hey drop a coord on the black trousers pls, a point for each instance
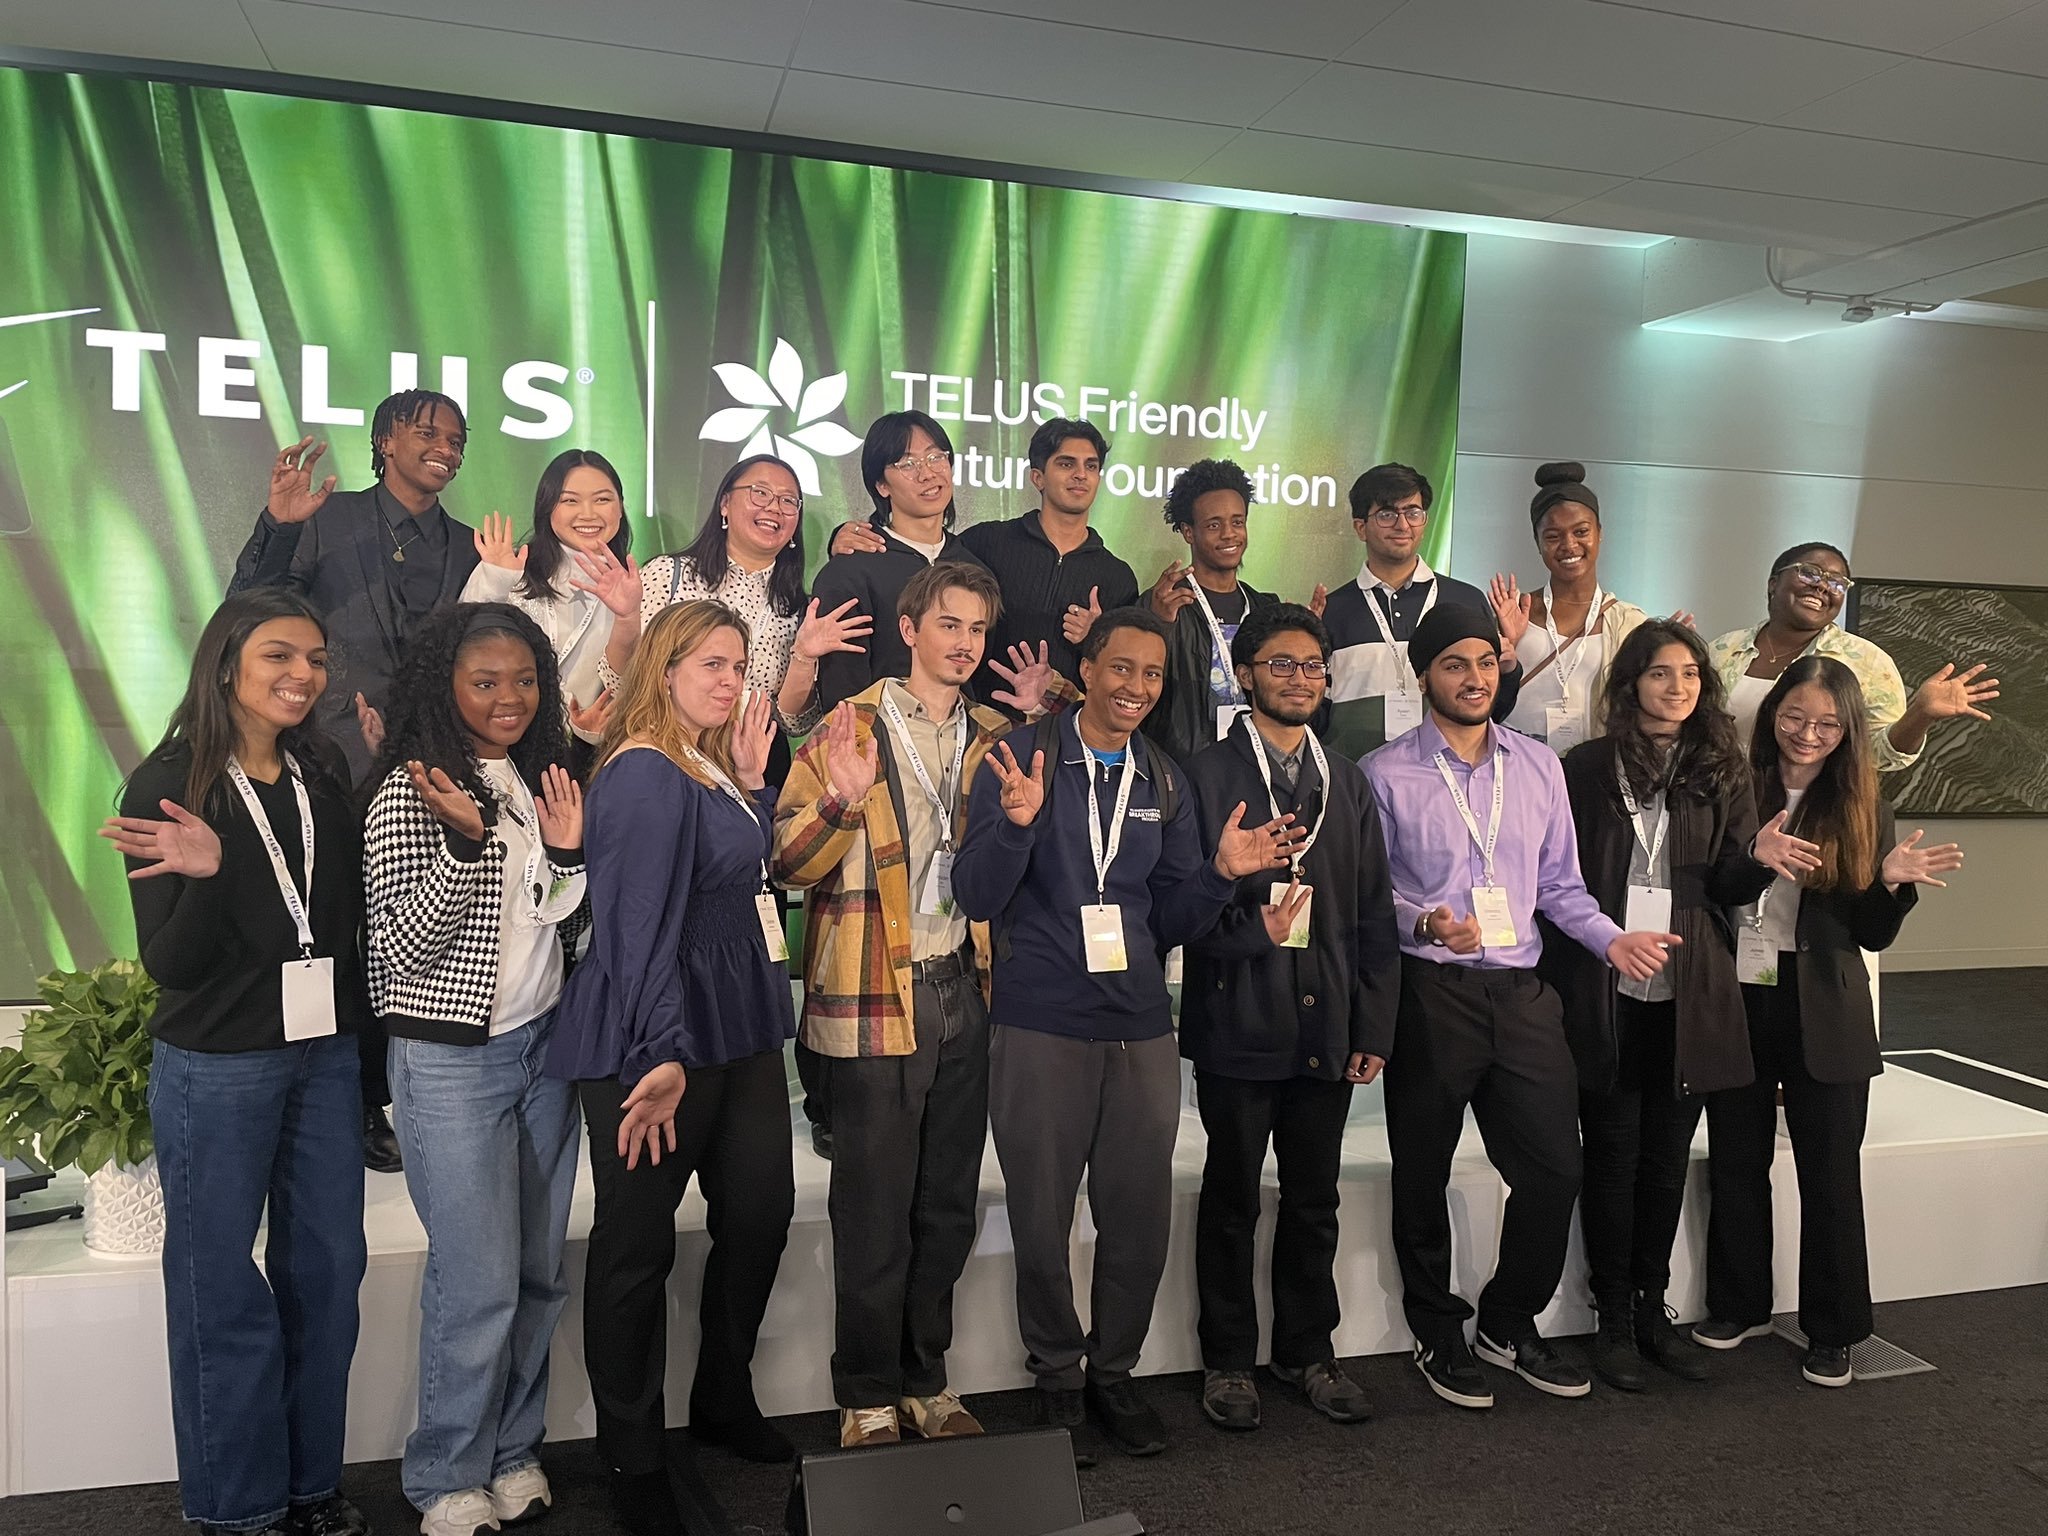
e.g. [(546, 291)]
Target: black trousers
[(732, 1131), (1826, 1121), (907, 1140), (814, 1072), (1493, 1039), (373, 1048), (1302, 1118), (1638, 1149)]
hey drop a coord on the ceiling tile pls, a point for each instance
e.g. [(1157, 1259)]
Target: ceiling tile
[(1313, 28), (1615, 53), (195, 32), (1715, 213), (2016, 43), (996, 129), (1379, 106), (1905, 26), (1280, 162), (1948, 106), (1960, 261), (1042, 61), (468, 61), (760, 32), (1800, 163)]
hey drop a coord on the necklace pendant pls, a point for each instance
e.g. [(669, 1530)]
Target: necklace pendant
[(398, 557)]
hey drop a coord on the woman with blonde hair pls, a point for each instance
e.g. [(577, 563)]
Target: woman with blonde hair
[(672, 1028)]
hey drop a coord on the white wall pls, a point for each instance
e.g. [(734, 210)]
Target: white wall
[(1915, 446)]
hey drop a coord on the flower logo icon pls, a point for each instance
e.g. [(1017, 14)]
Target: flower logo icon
[(783, 389)]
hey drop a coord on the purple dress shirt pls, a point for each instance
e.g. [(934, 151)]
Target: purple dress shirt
[(1435, 863)]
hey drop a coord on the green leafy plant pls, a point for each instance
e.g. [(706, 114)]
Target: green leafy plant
[(75, 1091)]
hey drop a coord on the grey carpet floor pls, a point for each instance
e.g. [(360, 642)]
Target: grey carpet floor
[(1999, 1016)]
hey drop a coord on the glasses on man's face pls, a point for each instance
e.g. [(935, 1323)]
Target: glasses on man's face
[(1798, 727), (1389, 517), (1284, 667), (917, 464), (762, 497), (1819, 578)]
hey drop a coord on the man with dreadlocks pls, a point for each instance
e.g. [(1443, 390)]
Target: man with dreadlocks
[(373, 563)]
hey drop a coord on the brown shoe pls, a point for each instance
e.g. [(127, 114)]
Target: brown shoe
[(867, 1426), (938, 1417)]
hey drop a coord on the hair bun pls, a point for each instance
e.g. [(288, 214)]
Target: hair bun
[(1565, 472)]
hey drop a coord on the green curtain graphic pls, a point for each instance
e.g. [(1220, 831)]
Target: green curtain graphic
[(666, 304)]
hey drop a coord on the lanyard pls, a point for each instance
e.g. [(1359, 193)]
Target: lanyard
[(1650, 844), (292, 901), (1485, 846), (924, 779), (1403, 676), (1315, 752), (1104, 857), (733, 793), (518, 804), (1565, 673), (1216, 635)]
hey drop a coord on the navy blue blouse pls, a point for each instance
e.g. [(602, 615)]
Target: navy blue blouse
[(677, 968)]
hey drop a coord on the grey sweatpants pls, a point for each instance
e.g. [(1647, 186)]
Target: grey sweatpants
[(1058, 1105)]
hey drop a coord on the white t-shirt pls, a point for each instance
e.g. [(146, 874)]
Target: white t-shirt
[(931, 552), (1781, 901), (529, 953)]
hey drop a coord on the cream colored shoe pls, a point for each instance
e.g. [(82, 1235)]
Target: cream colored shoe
[(868, 1426), (938, 1417)]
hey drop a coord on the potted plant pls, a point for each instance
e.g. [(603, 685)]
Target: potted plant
[(75, 1092)]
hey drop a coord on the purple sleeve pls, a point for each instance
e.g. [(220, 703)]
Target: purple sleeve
[(1561, 893)]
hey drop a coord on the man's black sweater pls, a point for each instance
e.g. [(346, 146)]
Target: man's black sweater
[(1039, 585)]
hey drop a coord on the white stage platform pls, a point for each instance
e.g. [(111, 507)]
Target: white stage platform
[(1956, 1183)]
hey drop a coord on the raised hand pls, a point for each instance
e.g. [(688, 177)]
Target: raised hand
[(1168, 596), (1950, 693), (293, 496), (371, 723), (590, 718), (1460, 935), (559, 806), (1510, 609), (1023, 793), (448, 802), (821, 634), (649, 1117), (1639, 956), (1279, 916), (615, 585), (1028, 676), (1318, 600), (494, 544), (1911, 864), (1684, 616), (1362, 1068), (857, 538), (1777, 849), (1078, 620), (183, 845), (850, 771), (1242, 850), (752, 735)]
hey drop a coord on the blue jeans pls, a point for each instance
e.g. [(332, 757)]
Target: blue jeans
[(259, 1366), (490, 1160)]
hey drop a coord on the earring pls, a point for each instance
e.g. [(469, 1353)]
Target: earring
[(724, 521)]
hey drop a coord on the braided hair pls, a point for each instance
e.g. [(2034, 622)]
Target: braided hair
[(403, 409)]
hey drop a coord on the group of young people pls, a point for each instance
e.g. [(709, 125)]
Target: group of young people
[(553, 811)]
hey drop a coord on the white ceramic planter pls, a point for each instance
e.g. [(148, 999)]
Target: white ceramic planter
[(124, 1210)]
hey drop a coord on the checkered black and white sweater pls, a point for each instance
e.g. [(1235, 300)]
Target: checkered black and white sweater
[(434, 905)]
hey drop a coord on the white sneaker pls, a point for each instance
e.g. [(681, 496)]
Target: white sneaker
[(459, 1514), (521, 1494)]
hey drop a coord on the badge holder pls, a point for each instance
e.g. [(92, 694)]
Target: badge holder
[(1102, 938), (1297, 934), (1496, 916)]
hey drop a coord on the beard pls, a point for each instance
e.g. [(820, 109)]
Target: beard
[(1286, 711)]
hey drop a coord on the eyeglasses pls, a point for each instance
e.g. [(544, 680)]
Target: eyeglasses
[(1817, 577), (766, 496), (916, 464), (1387, 517), (1284, 667), (1797, 726)]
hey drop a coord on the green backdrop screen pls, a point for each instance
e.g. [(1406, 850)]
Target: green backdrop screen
[(190, 277)]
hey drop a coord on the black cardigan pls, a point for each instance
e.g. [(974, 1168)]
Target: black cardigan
[(1711, 870), (1251, 1009)]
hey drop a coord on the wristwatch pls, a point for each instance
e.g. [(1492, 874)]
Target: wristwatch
[(1422, 933)]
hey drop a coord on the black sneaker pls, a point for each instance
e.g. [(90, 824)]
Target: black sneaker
[(1536, 1360), (1230, 1399), (1615, 1358), (331, 1516), (1328, 1390), (281, 1528), (380, 1142), (1127, 1417), (821, 1141), (1827, 1367), (751, 1438), (1060, 1408), (644, 1504), (1659, 1341), (1452, 1375), (1719, 1333)]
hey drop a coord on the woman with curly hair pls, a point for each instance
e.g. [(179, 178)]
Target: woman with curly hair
[(1668, 839), (473, 860)]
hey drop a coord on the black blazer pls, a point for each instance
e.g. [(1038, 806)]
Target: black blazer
[(1837, 1026), (1711, 870), (338, 558), (1254, 1010)]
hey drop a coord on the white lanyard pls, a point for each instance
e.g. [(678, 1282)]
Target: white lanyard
[(519, 806), (924, 779), (1485, 845), (1216, 634), (733, 793), (1404, 679), (1104, 857), (1650, 844), (1566, 672), (293, 903), (1315, 752)]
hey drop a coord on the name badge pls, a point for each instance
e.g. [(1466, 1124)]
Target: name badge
[(1756, 958), (1496, 917), (1226, 714), (1563, 729), (1297, 936), (1102, 938), (1173, 967), (1404, 713), (308, 998), (768, 906), (936, 900), (1649, 910)]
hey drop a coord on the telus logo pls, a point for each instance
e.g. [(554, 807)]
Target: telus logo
[(783, 390)]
